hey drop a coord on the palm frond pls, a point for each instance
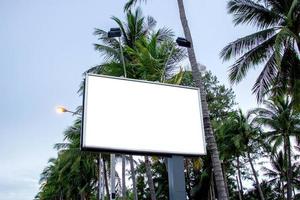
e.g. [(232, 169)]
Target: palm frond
[(150, 23), (246, 43), (61, 146), (282, 7), (249, 12), (131, 3), (265, 79), (107, 52), (257, 55), (164, 34)]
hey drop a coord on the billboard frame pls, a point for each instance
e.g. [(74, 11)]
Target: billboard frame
[(136, 152)]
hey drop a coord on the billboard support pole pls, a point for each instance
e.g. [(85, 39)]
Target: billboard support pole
[(100, 181), (176, 178), (113, 176)]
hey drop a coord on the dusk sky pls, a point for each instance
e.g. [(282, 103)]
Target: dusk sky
[(45, 46)]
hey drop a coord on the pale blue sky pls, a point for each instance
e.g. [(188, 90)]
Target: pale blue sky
[(45, 46)]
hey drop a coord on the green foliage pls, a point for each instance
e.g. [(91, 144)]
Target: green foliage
[(278, 33), (220, 99), (73, 174)]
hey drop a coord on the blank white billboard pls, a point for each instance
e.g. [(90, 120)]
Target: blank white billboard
[(139, 117)]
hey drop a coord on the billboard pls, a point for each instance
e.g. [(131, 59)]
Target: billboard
[(141, 117)]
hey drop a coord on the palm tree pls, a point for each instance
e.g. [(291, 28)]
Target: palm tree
[(277, 174), (277, 40), (210, 138), (73, 174), (249, 138), (239, 138), (51, 185), (283, 122), (133, 29)]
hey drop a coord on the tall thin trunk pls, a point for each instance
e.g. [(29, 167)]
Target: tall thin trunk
[(289, 166), (282, 189), (210, 138), (123, 178), (225, 178), (287, 150), (119, 182), (99, 175), (239, 189), (255, 177), (105, 178), (187, 179), (149, 178), (212, 185), (239, 176), (135, 197)]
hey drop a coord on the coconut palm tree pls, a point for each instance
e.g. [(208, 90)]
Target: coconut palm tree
[(210, 138), (248, 138), (243, 139), (278, 32), (283, 122), (277, 174), (73, 174), (135, 27), (51, 185)]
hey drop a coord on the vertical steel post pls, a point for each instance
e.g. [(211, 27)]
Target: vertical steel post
[(113, 176), (100, 177), (176, 178), (122, 58)]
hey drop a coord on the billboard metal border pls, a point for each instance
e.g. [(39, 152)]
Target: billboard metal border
[(134, 152)]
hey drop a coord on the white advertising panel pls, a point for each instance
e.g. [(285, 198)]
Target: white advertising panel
[(139, 117)]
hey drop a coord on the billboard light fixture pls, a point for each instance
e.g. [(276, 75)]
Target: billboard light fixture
[(183, 42), (114, 32)]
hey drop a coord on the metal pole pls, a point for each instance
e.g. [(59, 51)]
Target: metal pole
[(176, 178), (122, 58), (100, 178), (113, 176), (112, 156)]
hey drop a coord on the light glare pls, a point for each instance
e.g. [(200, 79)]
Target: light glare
[(60, 109)]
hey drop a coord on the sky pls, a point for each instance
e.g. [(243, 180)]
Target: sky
[(45, 46)]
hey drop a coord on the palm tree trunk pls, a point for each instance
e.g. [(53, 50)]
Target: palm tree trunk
[(287, 150), (135, 197), (187, 179), (99, 175), (225, 177), (289, 169), (210, 138), (123, 178), (149, 178), (255, 177), (212, 185), (239, 189), (105, 179), (282, 189), (239, 177)]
